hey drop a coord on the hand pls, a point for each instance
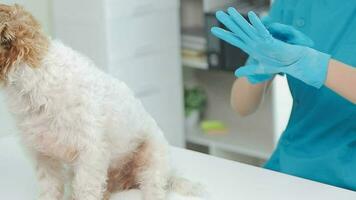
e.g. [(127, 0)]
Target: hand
[(284, 33), (275, 56), (288, 34), (257, 78)]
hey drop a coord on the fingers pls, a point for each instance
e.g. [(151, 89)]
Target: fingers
[(248, 70), (267, 20), (230, 38), (256, 22), (271, 70), (280, 28), (242, 23), (231, 25), (290, 35), (253, 70), (260, 78)]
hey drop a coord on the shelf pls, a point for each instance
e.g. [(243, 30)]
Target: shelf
[(194, 39), (240, 143), (195, 63)]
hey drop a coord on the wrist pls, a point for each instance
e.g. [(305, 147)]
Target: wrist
[(313, 67)]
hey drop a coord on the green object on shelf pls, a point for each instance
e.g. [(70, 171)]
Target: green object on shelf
[(213, 126), (194, 100)]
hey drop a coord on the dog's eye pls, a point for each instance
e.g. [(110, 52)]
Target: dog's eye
[(6, 37), (5, 44)]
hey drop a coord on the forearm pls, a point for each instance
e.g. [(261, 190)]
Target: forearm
[(246, 97), (341, 78)]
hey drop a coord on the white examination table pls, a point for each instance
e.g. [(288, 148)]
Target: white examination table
[(224, 180)]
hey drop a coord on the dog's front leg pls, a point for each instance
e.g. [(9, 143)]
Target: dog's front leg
[(90, 173), (51, 180), (154, 175)]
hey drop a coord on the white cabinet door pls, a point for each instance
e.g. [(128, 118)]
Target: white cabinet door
[(118, 9), (157, 81), (81, 25), (87, 10), (143, 34)]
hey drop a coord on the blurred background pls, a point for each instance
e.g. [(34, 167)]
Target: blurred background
[(164, 51)]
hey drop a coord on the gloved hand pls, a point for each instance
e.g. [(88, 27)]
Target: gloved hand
[(275, 56), (287, 33), (257, 78), (282, 32)]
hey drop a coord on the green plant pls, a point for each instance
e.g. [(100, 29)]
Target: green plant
[(194, 100)]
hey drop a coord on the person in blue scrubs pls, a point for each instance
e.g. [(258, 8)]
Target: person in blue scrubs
[(319, 142)]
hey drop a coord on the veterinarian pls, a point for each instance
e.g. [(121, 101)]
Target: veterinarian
[(319, 142)]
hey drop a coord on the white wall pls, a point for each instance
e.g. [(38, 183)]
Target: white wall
[(40, 9)]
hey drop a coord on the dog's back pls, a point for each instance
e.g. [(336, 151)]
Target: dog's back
[(70, 112)]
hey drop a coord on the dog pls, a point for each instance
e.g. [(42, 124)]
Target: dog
[(77, 121)]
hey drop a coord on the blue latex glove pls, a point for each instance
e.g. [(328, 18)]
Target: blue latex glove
[(274, 56), (282, 32), (288, 34), (257, 78)]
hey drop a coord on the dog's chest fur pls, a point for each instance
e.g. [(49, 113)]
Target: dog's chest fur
[(50, 104)]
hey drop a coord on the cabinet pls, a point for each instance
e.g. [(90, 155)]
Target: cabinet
[(248, 139), (137, 41)]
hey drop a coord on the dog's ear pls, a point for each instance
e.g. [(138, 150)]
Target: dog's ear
[(6, 36), (8, 53), (21, 39)]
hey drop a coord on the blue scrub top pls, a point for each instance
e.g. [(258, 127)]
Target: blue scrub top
[(319, 142)]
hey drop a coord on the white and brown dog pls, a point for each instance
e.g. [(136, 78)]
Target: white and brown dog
[(73, 116)]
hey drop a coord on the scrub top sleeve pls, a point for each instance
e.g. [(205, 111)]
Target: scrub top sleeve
[(275, 13)]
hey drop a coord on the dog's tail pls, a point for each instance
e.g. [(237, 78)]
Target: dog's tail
[(185, 187)]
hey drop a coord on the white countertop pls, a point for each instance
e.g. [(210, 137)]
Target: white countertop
[(223, 179)]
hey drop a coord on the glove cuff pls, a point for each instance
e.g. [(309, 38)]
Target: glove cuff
[(315, 64)]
